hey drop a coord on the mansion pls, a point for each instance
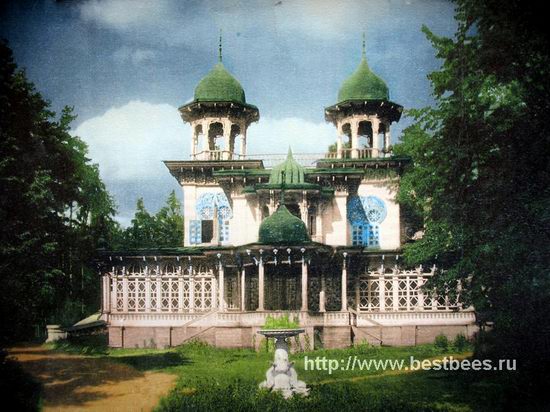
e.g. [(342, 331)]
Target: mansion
[(320, 242)]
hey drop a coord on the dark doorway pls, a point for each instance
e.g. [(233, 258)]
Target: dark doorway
[(207, 231)]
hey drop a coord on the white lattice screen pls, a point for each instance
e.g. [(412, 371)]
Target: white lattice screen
[(163, 289)]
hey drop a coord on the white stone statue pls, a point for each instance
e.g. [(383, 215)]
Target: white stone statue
[(282, 376)]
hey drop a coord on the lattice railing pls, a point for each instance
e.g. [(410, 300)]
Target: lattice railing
[(162, 289), (400, 291)]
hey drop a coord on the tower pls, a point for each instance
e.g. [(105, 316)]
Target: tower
[(219, 116), (363, 115)]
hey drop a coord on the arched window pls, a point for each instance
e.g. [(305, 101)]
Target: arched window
[(211, 208), (365, 213)]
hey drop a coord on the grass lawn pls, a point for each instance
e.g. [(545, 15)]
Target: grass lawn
[(227, 379)]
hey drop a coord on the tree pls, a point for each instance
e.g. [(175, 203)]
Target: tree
[(54, 208), (480, 172), (165, 229)]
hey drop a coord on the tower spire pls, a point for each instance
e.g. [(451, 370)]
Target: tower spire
[(363, 48), (220, 48)]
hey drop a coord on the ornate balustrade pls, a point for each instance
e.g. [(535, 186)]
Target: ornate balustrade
[(217, 155)]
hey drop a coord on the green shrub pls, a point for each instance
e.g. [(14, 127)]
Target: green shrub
[(441, 342), (282, 322), (460, 343), (95, 344)]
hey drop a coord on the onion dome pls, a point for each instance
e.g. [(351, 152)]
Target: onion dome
[(290, 172), (363, 84), (219, 86), (282, 227)]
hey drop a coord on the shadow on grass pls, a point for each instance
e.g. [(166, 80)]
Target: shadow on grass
[(153, 361)]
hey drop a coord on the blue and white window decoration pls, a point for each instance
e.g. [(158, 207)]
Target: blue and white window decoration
[(365, 213), (210, 206)]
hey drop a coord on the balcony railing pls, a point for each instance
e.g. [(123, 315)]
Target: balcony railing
[(364, 153), (217, 155)]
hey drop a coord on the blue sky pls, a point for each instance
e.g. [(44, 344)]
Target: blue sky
[(126, 65)]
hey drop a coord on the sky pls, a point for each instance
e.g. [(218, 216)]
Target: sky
[(127, 65)]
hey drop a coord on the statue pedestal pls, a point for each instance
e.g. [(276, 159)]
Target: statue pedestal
[(282, 376)]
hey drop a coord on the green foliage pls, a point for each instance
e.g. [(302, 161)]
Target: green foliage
[(281, 322), (460, 343), (54, 209), (480, 172), (165, 229), (83, 345), (441, 342)]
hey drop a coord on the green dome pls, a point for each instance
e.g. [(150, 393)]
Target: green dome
[(282, 227), (219, 86), (363, 84), (289, 172)]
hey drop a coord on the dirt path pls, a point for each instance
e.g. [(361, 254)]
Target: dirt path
[(80, 383)]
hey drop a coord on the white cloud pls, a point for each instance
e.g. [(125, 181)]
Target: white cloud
[(136, 56), (130, 142), (124, 14), (194, 24)]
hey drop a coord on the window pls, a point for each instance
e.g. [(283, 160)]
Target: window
[(207, 231)]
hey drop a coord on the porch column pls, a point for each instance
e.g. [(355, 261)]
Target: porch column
[(387, 139), (375, 138), (243, 141), (221, 286), (191, 290), (114, 289), (261, 285), (357, 294), (354, 139), (226, 154), (125, 294), (344, 307), (243, 283), (304, 286), (106, 294), (322, 294)]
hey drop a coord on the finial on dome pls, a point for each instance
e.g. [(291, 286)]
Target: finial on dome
[(220, 48), (363, 49)]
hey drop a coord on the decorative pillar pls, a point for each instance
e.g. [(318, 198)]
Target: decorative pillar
[(357, 294), (261, 284), (395, 284), (243, 285), (191, 290), (114, 288), (180, 291), (382, 292), (159, 292), (125, 294), (194, 141), (303, 208), (387, 139), (243, 140), (304, 286), (344, 306), (322, 294), (226, 155), (354, 139), (221, 286), (375, 138), (106, 301)]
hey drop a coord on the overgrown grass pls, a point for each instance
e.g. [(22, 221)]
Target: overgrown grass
[(227, 379)]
